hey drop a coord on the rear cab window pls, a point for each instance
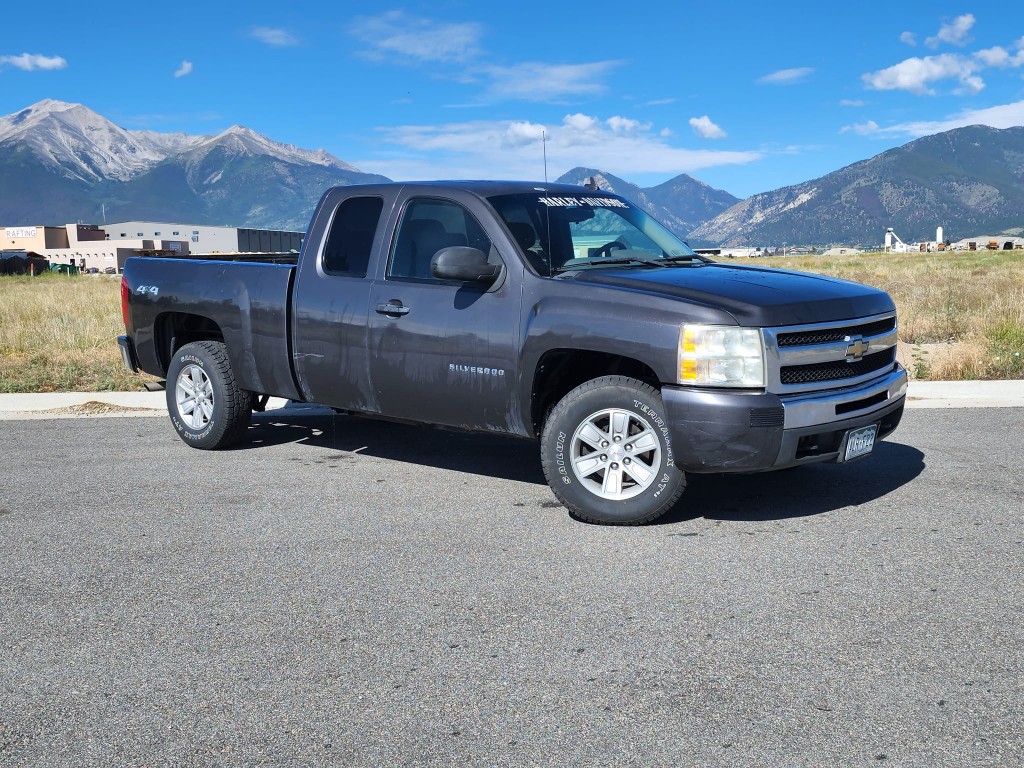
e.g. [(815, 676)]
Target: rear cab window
[(350, 240)]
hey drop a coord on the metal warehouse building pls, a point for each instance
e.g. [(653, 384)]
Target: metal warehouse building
[(205, 239)]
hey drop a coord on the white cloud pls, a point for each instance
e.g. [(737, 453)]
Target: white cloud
[(706, 129), (1001, 116), (523, 133), (537, 81), (274, 36), (397, 35), (184, 69), (624, 126), (908, 38), (954, 32), (786, 76), (797, 149), (658, 102), (916, 74), (31, 62), (997, 56), (851, 103), (970, 86), (512, 149), (861, 129)]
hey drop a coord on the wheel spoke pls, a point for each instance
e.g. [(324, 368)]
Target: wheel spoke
[(619, 422), (587, 465), (612, 481), (645, 441), (639, 472), (592, 436)]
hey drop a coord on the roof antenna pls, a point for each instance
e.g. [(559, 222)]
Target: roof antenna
[(544, 143), (591, 185)]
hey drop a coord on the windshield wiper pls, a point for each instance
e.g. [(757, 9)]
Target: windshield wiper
[(614, 262), (688, 257)]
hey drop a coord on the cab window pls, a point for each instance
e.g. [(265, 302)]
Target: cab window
[(428, 226), (350, 241)]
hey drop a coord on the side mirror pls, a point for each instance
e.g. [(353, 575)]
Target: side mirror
[(459, 262)]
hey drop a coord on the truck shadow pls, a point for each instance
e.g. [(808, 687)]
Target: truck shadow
[(805, 491), (802, 492), (478, 454)]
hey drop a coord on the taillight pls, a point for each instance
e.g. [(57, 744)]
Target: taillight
[(124, 301)]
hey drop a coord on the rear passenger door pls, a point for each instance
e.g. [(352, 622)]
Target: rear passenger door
[(444, 352), (331, 303)]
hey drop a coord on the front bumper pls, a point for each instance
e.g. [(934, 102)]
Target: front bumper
[(716, 431), (128, 355)]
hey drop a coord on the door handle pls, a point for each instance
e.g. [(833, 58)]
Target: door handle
[(393, 308)]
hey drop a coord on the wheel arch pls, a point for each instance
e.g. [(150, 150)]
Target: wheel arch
[(559, 371), (173, 330)]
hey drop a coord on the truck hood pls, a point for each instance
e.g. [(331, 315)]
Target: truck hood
[(754, 296)]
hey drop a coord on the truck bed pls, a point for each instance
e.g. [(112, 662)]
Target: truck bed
[(247, 303)]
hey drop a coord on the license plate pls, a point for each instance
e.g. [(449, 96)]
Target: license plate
[(860, 442)]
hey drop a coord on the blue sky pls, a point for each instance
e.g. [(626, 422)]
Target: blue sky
[(744, 96)]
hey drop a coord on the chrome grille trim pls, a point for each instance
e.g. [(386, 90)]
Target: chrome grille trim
[(851, 349)]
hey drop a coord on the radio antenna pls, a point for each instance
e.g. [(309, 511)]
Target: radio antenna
[(544, 144)]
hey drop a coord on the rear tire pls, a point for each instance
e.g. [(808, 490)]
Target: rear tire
[(607, 453), (207, 408)]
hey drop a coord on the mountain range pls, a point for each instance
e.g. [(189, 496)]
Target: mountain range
[(968, 180), (681, 204), (62, 162)]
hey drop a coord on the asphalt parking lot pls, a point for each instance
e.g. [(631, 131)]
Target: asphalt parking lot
[(348, 592)]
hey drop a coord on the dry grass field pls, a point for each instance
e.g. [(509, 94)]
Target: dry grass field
[(59, 334), (961, 317), (961, 314)]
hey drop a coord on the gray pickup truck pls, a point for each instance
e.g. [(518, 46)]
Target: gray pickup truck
[(540, 311)]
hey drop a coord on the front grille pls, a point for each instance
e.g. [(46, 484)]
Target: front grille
[(828, 335), (837, 370)]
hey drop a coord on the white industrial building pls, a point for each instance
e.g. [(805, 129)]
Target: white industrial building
[(207, 239), (84, 245), (88, 246)]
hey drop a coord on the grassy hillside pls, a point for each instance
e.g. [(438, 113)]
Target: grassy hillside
[(961, 317)]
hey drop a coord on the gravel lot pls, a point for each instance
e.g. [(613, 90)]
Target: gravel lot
[(349, 592)]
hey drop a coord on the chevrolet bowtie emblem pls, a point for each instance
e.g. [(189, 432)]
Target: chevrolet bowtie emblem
[(856, 348)]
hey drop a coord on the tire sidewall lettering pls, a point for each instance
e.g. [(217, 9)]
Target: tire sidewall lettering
[(661, 426), (560, 458), (192, 435)]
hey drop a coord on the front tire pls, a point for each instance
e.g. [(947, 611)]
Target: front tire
[(607, 453), (207, 408)]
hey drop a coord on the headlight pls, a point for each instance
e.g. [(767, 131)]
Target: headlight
[(721, 356)]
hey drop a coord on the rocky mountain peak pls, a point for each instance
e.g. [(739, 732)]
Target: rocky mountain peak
[(244, 141)]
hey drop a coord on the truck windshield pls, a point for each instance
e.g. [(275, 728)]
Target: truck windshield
[(587, 231)]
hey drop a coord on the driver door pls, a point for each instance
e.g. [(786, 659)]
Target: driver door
[(443, 352)]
